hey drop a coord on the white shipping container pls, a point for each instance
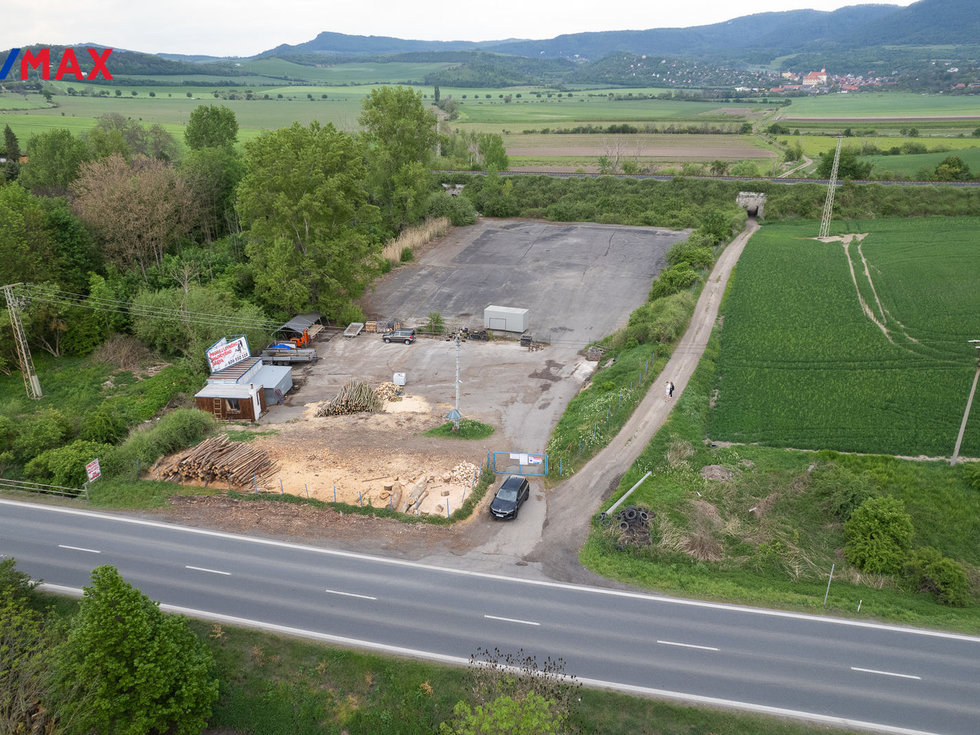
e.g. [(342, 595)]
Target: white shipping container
[(505, 319)]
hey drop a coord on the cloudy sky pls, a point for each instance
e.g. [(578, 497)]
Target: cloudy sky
[(246, 27)]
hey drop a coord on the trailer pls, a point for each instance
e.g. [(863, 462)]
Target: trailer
[(353, 329), (285, 353)]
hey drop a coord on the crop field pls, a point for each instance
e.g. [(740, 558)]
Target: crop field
[(911, 164), (814, 145), (901, 105), (861, 348), (582, 110)]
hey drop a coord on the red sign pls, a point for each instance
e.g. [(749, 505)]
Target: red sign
[(93, 471), (224, 354), (67, 65)]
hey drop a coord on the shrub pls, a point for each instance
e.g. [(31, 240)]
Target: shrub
[(672, 280), (945, 579), (878, 535), (110, 422), (661, 320), (458, 209), (436, 324), (699, 257), (406, 255), (65, 465), (350, 313), (177, 430), (843, 490), (48, 429)]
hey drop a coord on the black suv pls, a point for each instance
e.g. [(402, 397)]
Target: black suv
[(400, 335), (509, 497)]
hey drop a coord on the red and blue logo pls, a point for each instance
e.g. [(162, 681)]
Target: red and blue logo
[(68, 64)]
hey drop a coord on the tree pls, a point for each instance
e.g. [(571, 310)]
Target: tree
[(211, 126), (849, 167), (211, 175), (401, 137), (304, 202), (952, 168), (505, 715), (53, 160), (491, 148), (12, 150), (138, 208), (144, 671), (878, 535), (26, 247)]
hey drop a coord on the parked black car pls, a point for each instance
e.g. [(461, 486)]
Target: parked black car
[(400, 335), (509, 497)]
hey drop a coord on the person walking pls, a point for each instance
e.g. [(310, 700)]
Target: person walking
[(671, 392), (668, 390)]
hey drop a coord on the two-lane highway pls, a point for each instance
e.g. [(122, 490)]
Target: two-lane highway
[(842, 672)]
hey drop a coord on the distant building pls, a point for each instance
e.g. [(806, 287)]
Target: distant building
[(816, 79)]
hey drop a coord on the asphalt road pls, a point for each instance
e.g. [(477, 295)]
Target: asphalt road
[(848, 673)]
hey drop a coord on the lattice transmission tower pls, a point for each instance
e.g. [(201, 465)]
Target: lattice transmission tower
[(14, 302), (828, 205)]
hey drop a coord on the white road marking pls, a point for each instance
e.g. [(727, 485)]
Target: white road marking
[(517, 580), (350, 594), (844, 722), (79, 548), (209, 571), (886, 673), (688, 645), (511, 620)]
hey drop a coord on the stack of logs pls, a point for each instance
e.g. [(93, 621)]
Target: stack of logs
[(353, 398), (218, 458)]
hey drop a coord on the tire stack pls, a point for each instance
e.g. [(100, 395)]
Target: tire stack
[(631, 526)]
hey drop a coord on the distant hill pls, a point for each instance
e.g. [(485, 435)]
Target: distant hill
[(755, 38)]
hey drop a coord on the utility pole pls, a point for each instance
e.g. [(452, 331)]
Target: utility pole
[(458, 415), (828, 205), (31, 383), (969, 403)]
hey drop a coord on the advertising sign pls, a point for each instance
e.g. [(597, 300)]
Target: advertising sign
[(92, 470), (223, 354)]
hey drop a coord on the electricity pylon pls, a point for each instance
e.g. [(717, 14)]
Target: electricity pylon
[(31, 383), (828, 205)]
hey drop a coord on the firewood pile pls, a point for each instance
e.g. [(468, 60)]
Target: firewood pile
[(461, 474), (387, 391), (219, 459), (630, 526), (353, 398)]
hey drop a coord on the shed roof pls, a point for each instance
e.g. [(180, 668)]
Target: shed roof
[(225, 390), (236, 372), (300, 322)]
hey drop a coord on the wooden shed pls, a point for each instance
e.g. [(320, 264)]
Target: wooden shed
[(234, 394)]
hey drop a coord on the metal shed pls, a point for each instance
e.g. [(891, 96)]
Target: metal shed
[(276, 381), (295, 326), (505, 318)]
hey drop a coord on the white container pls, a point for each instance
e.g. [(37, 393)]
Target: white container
[(398, 378), (505, 319)]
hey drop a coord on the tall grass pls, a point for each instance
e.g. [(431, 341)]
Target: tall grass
[(415, 237)]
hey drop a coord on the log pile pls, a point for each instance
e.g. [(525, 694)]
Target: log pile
[(219, 459), (353, 398)]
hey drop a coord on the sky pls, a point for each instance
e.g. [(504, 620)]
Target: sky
[(247, 27)]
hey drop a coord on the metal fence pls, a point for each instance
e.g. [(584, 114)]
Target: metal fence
[(36, 487)]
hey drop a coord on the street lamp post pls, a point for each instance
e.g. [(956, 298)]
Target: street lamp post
[(969, 403)]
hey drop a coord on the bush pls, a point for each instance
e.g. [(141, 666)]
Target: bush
[(945, 579), (177, 430), (659, 321), (458, 209), (48, 429), (350, 313), (843, 490), (110, 422), (699, 257), (878, 535), (406, 255), (65, 466), (672, 280)]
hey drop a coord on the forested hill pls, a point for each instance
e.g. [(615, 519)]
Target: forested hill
[(758, 37)]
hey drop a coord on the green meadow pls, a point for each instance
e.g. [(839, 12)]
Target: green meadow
[(882, 104), (910, 165), (862, 350)]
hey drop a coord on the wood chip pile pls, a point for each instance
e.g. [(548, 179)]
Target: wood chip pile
[(387, 391), (219, 459)]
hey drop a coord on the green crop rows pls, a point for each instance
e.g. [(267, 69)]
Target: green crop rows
[(802, 363)]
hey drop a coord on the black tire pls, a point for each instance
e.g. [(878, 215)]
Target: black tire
[(387, 341), (408, 341), (644, 516), (631, 514), (624, 525)]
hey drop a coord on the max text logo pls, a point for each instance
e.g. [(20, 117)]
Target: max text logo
[(68, 64)]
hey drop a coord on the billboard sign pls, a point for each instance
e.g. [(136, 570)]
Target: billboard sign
[(93, 470), (223, 354)]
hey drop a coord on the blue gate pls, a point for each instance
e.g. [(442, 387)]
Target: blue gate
[(520, 463)]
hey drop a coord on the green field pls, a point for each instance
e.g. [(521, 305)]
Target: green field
[(814, 145), (882, 104), (910, 165), (803, 366)]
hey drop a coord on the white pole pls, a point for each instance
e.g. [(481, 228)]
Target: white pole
[(828, 584)]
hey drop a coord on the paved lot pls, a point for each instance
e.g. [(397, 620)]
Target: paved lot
[(580, 283)]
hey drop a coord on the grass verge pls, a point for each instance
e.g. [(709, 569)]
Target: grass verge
[(468, 429)]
